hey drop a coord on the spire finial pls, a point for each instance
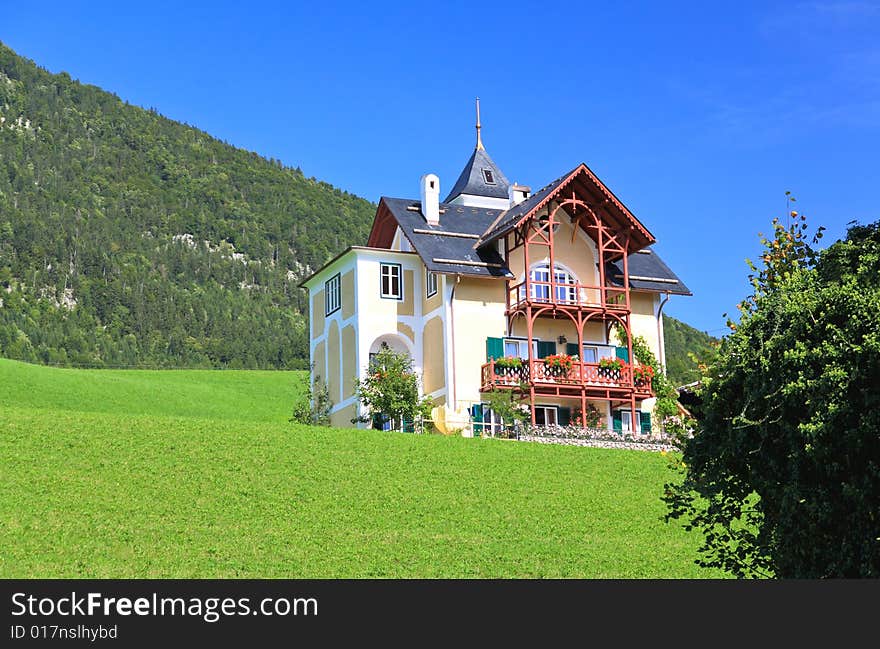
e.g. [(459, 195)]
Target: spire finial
[(479, 139)]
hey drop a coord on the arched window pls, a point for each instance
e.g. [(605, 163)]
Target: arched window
[(566, 284)]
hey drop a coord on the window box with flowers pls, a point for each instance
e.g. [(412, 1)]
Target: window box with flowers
[(508, 366), (643, 374), (610, 367), (558, 365)]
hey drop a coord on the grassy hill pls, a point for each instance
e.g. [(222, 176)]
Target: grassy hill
[(198, 474), (253, 396)]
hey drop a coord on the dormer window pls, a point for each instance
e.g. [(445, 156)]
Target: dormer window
[(488, 176)]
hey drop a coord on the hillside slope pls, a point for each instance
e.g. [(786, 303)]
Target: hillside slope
[(176, 249), (230, 395), (681, 340), (101, 478)]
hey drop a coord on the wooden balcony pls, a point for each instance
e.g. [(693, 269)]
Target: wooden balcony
[(567, 295), (589, 377)]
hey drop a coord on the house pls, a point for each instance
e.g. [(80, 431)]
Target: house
[(497, 271)]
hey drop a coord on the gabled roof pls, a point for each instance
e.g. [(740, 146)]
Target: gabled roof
[(509, 219), (583, 181), (473, 179), (463, 241), (444, 248)]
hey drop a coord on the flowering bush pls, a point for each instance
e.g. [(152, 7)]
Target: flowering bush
[(509, 362), (609, 363), (643, 373), (593, 417), (391, 388), (558, 361), (576, 432)]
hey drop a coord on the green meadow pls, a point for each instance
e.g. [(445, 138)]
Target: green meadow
[(177, 474)]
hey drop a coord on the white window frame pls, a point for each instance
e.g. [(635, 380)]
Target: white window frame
[(623, 422), (594, 349), (332, 295), (383, 266), (430, 283), (566, 284), (522, 347), (545, 409)]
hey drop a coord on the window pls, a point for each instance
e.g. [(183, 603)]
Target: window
[(541, 291), (642, 424), (488, 176), (331, 295), (545, 415), (490, 423), (430, 283), (519, 348), (590, 354), (566, 285), (389, 281)]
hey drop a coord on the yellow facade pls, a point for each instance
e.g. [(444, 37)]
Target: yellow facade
[(478, 313), (333, 353), (433, 370), (317, 314), (347, 288), (349, 361)]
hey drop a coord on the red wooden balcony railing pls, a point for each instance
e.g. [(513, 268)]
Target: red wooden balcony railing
[(567, 294), (580, 374)]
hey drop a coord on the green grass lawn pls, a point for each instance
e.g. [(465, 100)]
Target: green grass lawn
[(135, 473)]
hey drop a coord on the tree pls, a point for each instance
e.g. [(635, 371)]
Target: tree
[(391, 390), (666, 402), (314, 407), (508, 405), (782, 471)]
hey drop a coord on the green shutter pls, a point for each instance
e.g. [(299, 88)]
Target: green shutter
[(546, 348), (477, 417), (563, 416), (618, 422), (494, 348), (572, 349), (646, 421), (622, 352)]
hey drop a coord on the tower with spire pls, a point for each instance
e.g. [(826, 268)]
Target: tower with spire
[(481, 183)]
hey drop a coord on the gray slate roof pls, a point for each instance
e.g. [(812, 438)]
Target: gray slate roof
[(473, 182), (647, 263), (457, 219)]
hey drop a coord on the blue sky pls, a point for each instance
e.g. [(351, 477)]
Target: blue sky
[(698, 116)]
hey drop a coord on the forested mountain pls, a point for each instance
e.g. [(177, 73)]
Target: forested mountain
[(128, 239), (681, 340)]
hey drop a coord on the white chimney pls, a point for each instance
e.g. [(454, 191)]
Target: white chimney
[(431, 199), (518, 193)]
